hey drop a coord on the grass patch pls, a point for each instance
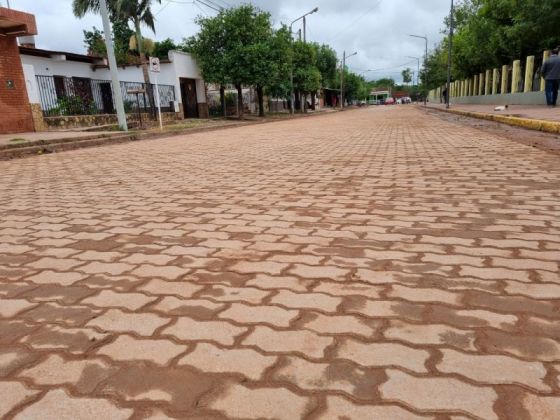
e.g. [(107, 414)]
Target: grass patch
[(17, 139)]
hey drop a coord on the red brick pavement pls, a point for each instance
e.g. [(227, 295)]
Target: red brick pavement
[(375, 264)]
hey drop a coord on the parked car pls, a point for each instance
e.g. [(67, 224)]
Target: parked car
[(390, 101)]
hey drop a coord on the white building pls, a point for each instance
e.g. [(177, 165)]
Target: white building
[(53, 76)]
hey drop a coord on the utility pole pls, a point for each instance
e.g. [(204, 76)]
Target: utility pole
[(342, 80), (117, 94), (304, 33), (8, 2), (449, 52), (344, 57), (292, 96), (425, 38)]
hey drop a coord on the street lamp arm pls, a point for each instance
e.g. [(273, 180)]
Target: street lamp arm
[(307, 14)]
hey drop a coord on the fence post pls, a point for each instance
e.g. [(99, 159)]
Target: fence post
[(480, 84), (475, 85), (546, 55), (495, 77), (529, 70), (516, 76), (505, 76), (487, 83)]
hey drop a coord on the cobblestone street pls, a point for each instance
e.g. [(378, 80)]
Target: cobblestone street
[(373, 264)]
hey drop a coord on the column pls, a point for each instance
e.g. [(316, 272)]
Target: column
[(516, 76), (505, 76), (529, 71), (495, 78), (546, 54), (475, 86)]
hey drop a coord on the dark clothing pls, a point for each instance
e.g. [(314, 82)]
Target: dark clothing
[(551, 90), (551, 68)]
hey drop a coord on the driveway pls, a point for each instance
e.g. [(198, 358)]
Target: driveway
[(373, 264)]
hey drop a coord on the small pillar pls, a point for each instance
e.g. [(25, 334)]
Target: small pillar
[(495, 78), (505, 77), (481, 84), (475, 85), (516, 76), (488, 80), (546, 55), (529, 70)]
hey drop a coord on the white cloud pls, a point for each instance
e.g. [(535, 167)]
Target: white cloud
[(377, 29)]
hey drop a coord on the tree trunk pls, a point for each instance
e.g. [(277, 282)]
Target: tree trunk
[(260, 96), (305, 103), (239, 100), (145, 71), (313, 101), (223, 100)]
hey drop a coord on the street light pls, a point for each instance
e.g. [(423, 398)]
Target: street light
[(292, 67), (425, 38), (418, 72), (344, 57), (448, 87)]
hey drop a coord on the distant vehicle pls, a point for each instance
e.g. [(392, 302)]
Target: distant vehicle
[(362, 103), (390, 101)]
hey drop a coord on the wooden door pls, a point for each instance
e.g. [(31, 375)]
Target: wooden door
[(188, 97)]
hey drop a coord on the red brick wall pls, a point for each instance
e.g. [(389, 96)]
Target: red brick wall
[(15, 111)]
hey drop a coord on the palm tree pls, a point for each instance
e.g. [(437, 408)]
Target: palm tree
[(138, 12)]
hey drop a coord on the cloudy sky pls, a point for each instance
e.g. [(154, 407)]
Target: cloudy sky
[(377, 29)]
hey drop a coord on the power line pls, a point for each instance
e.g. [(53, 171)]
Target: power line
[(351, 25), (204, 3)]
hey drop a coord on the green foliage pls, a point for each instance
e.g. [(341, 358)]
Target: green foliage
[(95, 43), (384, 82), (407, 75), (307, 77), (491, 33), (162, 48), (73, 105), (327, 64), (355, 86)]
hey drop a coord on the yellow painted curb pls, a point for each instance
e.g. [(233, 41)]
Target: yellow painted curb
[(528, 123)]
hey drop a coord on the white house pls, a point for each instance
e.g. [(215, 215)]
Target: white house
[(53, 76)]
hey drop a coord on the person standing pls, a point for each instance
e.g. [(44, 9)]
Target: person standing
[(551, 73)]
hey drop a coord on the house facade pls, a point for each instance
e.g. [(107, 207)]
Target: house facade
[(70, 85)]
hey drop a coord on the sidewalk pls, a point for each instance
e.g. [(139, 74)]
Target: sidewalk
[(26, 144), (47, 136), (533, 117)]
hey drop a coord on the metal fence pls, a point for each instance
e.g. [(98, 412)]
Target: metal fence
[(62, 96)]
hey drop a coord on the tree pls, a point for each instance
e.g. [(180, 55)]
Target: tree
[(208, 47), (307, 77), (279, 83), (407, 76), (327, 64), (162, 48), (248, 39), (491, 33), (239, 46), (94, 41), (136, 11)]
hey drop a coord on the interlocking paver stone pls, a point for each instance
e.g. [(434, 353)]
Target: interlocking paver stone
[(58, 405), (378, 263)]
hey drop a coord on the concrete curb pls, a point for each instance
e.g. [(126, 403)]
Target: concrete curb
[(39, 147), (528, 123)]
